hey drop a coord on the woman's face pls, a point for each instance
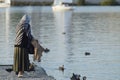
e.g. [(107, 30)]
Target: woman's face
[(27, 28)]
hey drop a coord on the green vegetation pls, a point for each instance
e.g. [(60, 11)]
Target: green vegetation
[(81, 2), (108, 2), (17, 3), (78, 3)]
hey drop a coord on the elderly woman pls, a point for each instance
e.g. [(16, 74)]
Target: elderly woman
[(22, 44)]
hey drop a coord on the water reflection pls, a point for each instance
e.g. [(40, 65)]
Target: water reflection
[(63, 20), (5, 34), (63, 23), (7, 23)]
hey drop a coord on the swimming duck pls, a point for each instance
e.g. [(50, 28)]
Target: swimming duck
[(87, 53), (84, 77), (64, 33), (46, 50), (61, 68)]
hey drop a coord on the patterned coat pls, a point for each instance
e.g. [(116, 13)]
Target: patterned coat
[(22, 42)]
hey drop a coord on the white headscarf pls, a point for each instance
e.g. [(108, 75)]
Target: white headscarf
[(25, 19), (23, 26)]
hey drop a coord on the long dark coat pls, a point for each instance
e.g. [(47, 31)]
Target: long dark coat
[(22, 44)]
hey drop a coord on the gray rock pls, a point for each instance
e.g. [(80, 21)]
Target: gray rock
[(38, 74)]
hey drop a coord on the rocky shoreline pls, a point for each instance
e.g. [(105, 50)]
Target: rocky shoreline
[(38, 74)]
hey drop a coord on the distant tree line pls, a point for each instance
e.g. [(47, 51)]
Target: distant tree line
[(77, 3), (102, 3), (108, 2)]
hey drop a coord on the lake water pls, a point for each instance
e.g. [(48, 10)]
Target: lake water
[(68, 35)]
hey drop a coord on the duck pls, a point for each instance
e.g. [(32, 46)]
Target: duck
[(84, 77), (46, 50), (64, 33), (87, 53), (61, 68), (75, 77)]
